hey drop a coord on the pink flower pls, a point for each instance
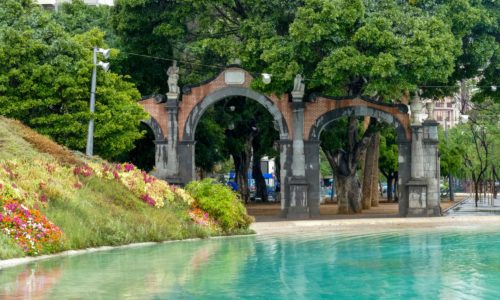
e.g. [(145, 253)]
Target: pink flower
[(43, 198)]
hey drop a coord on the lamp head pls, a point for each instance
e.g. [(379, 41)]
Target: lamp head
[(266, 78), (104, 65), (104, 52)]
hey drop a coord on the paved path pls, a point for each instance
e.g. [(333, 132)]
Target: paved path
[(270, 212), (487, 206)]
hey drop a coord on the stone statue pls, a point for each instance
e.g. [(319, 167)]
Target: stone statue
[(298, 84), (173, 78)]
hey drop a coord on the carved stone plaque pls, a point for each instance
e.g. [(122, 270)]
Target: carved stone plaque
[(234, 77)]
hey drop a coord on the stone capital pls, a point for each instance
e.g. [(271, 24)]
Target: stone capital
[(297, 96)]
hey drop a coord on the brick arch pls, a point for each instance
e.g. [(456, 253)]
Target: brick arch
[(323, 111), (192, 120), (153, 124)]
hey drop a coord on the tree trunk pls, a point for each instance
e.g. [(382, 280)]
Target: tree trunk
[(369, 161), (476, 192), (390, 178), (396, 186), (450, 188), (495, 179), (348, 194), (260, 182), (375, 172)]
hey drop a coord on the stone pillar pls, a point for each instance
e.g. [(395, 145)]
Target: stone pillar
[(298, 208), (285, 174), (404, 175), (311, 153), (186, 161), (431, 166), (172, 168), (423, 186), (161, 158)]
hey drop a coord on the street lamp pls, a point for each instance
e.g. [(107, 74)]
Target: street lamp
[(105, 67)]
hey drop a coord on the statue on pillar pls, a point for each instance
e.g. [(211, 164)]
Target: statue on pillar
[(298, 86), (173, 78), (416, 109)]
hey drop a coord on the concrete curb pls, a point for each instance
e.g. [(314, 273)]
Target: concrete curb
[(455, 205)]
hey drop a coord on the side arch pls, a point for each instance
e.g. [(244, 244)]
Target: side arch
[(155, 127), (197, 112), (359, 111)]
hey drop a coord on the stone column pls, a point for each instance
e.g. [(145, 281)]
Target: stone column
[(285, 175), (404, 175), (186, 161), (423, 186), (311, 153), (431, 166), (172, 168), (298, 208), (161, 158)]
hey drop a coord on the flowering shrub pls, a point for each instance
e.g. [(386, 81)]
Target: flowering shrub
[(221, 203), (84, 170), (202, 218), (31, 230)]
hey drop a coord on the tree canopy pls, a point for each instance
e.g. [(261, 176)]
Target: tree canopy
[(45, 74)]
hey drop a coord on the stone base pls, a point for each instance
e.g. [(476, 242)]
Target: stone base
[(298, 198), (298, 213), (418, 204), (174, 181), (424, 212)]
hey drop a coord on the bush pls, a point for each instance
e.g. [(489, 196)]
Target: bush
[(221, 203)]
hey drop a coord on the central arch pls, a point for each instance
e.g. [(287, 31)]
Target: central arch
[(197, 112)]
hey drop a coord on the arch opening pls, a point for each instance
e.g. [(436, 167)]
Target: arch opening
[(236, 143)]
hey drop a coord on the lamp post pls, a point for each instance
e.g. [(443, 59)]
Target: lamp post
[(105, 66)]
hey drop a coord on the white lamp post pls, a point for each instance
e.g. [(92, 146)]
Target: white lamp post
[(105, 67)]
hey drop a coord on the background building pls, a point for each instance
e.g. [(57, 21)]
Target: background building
[(54, 4)]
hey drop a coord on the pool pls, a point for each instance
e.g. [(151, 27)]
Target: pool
[(393, 264)]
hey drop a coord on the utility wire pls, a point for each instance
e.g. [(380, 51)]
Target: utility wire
[(220, 67)]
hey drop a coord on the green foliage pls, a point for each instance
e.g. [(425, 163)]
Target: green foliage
[(221, 203), (9, 249), (45, 81), (449, 155), (388, 159)]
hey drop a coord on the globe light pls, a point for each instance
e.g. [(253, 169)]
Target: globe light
[(266, 78)]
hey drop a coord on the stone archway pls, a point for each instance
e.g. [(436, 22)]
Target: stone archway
[(403, 139), (300, 122)]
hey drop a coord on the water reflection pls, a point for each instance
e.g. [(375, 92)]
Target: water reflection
[(411, 264)]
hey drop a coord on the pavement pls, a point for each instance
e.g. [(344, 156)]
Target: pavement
[(460, 213), (270, 212)]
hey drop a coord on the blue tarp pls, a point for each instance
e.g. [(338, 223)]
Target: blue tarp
[(266, 175)]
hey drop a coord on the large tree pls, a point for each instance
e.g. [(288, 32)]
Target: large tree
[(45, 82)]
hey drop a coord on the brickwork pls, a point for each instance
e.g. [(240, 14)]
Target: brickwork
[(156, 111), (198, 93), (314, 110)]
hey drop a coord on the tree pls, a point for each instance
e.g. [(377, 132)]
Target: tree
[(475, 142), (388, 161), (45, 82)]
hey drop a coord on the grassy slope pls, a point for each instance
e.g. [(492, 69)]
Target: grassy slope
[(101, 212)]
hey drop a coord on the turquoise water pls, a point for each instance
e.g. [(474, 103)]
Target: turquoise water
[(411, 264)]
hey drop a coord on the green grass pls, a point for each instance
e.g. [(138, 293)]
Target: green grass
[(104, 212), (8, 249)]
